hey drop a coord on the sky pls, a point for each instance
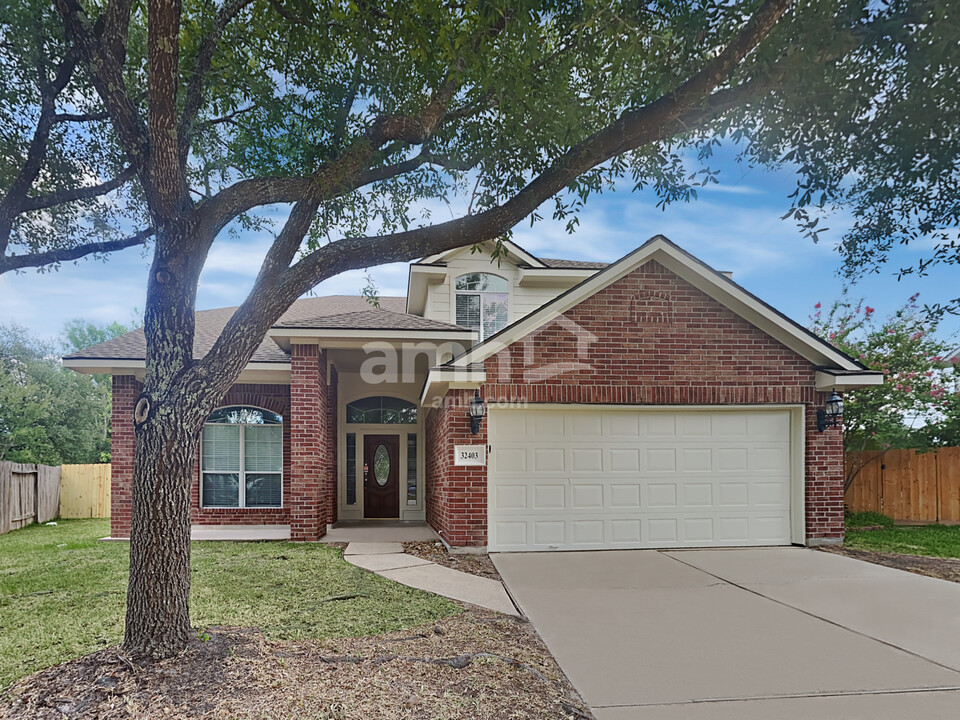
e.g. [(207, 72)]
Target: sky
[(735, 226)]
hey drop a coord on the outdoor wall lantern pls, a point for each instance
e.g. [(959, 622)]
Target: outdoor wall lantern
[(477, 411), (830, 416)]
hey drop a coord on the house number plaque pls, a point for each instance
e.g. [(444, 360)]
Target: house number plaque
[(469, 454)]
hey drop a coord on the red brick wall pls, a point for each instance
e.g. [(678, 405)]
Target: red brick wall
[(649, 338), (309, 453), (313, 438), (330, 455), (122, 441), (456, 496)]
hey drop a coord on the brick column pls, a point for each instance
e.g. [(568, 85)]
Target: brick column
[(308, 420), (122, 447), (825, 474), (330, 452), (456, 495)]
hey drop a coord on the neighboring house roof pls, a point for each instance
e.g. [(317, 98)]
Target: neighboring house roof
[(210, 323), (700, 275)]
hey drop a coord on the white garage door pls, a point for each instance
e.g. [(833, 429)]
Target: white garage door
[(580, 479)]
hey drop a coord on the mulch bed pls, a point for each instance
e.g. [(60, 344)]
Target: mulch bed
[(477, 665), (943, 568), (434, 551)]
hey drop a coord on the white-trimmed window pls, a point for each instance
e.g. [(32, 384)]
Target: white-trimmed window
[(482, 300), (241, 459)]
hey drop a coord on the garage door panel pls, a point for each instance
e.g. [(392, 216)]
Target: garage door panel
[(548, 459), (581, 479)]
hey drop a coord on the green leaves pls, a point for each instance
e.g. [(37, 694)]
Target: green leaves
[(49, 414), (920, 390)]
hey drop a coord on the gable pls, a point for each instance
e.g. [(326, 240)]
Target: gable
[(650, 327), (700, 276)]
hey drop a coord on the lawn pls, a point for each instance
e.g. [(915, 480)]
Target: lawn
[(62, 593), (930, 540)]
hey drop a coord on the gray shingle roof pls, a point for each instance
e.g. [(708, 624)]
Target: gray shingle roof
[(210, 323), (573, 264), (372, 319)]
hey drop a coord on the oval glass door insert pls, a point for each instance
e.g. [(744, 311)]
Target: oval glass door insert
[(381, 465)]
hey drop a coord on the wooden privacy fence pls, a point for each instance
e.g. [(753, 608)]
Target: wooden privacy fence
[(85, 491), (906, 485), (28, 493)]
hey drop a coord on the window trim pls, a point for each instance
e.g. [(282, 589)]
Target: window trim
[(480, 293), (242, 489)]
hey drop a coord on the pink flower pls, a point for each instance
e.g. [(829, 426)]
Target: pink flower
[(833, 336), (817, 305), (916, 336), (899, 386), (891, 331), (869, 310)]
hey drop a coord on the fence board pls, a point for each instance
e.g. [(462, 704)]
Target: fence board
[(85, 491), (907, 485), (949, 479), (48, 493)]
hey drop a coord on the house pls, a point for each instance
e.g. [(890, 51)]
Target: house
[(651, 402)]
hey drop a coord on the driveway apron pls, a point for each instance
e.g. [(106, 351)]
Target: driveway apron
[(744, 633)]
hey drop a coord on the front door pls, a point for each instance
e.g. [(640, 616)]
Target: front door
[(381, 476)]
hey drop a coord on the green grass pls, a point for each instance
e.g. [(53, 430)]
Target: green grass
[(62, 593), (930, 540)]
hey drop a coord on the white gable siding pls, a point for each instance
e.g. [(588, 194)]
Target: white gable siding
[(441, 303)]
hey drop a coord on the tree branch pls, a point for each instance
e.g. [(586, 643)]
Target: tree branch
[(201, 66), (11, 203), (689, 104), (163, 164), (60, 197), (20, 262), (106, 73), (80, 118)]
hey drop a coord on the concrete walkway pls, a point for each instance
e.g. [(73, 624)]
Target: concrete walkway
[(389, 560), (745, 634)]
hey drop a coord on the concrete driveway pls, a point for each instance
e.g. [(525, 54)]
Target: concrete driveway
[(746, 634)]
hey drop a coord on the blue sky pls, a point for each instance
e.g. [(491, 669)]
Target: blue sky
[(735, 226)]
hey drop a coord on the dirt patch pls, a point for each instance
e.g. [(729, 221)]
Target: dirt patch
[(943, 568), (479, 664), (434, 551)]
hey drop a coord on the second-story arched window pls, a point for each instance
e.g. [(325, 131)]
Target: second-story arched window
[(482, 301)]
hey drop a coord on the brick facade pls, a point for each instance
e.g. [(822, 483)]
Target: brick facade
[(456, 496), (650, 338), (309, 484), (122, 442)]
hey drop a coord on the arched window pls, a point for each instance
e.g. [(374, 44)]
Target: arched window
[(381, 409), (482, 300), (241, 458)]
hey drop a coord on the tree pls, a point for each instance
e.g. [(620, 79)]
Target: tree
[(79, 334), (919, 390), (48, 414), (195, 118)]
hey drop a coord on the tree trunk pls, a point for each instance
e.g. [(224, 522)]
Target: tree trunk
[(158, 615)]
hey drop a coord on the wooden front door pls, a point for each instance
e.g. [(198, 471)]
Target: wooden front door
[(381, 476)]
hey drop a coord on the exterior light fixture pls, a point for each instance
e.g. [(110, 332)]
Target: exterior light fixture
[(831, 414), (477, 411)]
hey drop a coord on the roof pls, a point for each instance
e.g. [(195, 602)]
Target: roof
[(573, 264), (210, 323), (373, 319), (715, 284)]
